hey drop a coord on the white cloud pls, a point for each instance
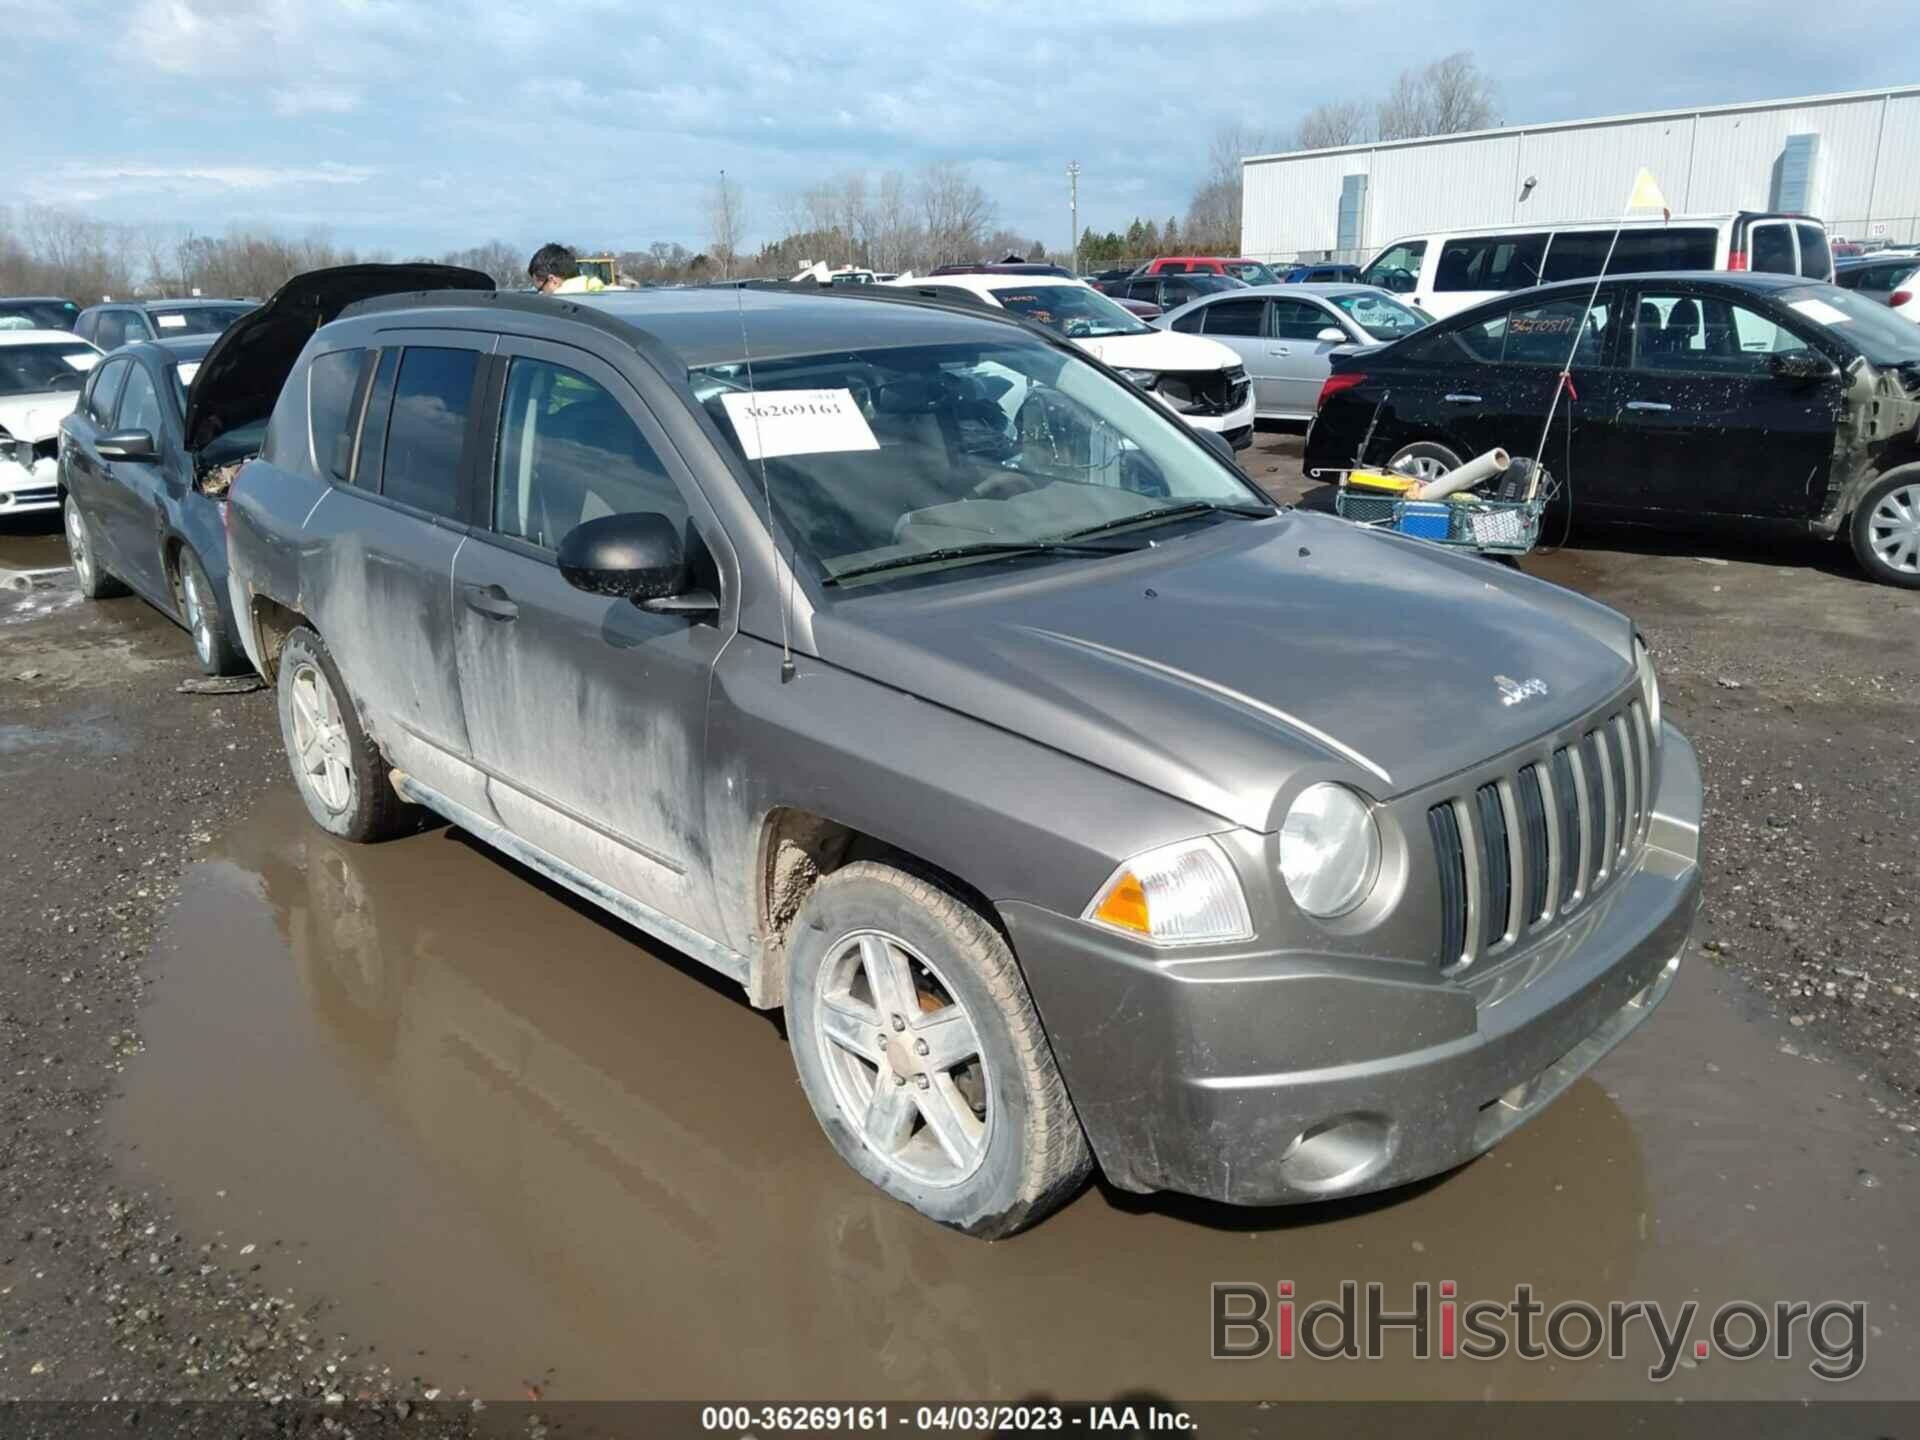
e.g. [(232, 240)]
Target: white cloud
[(104, 179), (315, 99)]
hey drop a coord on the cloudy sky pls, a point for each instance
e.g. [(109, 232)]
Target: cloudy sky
[(416, 126)]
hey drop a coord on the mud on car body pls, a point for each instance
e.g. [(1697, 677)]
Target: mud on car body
[(907, 666)]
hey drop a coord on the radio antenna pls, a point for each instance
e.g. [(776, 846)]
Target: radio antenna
[(785, 580)]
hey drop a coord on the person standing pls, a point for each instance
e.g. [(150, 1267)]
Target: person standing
[(555, 270)]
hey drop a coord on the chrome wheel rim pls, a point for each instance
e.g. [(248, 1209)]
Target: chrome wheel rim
[(1893, 530), (903, 1058), (77, 548), (1421, 467), (199, 608), (322, 752)]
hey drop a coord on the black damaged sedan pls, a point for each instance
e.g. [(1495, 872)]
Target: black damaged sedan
[(1697, 399)]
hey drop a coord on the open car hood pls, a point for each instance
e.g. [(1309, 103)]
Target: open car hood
[(240, 378)]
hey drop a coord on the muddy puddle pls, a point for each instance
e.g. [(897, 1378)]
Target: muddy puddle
[(514, 1145)]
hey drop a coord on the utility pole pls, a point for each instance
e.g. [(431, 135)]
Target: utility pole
[(1073, 208)]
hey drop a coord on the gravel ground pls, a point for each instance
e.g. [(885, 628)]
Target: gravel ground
[(1795, 680)]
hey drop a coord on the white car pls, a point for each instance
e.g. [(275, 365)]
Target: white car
[(41, 372), (1905, 299), (1200, 380)]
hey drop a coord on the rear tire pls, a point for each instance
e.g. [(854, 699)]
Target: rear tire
[(344, 780), (1886, 529), (95, 582), (922, 1055), (200, 607), (1427, 459)]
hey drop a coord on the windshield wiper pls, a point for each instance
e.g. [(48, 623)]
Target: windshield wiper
[(1172, 512), (982, 549)]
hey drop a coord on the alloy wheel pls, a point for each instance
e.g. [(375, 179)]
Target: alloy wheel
[(78, 550), (200, 612), (322, 749), (1421, 467), (1893, 530), (903, 1057)]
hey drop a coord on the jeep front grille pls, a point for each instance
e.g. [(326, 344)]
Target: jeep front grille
[(1521, 850)]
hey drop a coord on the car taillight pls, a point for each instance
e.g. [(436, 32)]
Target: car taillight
[(1737, 260), (1899, 298), (1334, 384)]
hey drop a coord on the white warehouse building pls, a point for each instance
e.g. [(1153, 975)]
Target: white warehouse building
[(1851, 159)]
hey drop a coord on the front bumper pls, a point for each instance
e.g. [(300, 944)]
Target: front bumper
[(1179, 1066), (24, 489), (1232, 424)]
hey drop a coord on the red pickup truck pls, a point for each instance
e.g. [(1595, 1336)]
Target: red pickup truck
[(1250, 271)]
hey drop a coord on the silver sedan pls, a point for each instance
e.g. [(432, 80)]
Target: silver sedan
[(1285, 334)]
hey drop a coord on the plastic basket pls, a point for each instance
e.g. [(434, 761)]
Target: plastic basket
[(1497, 527)]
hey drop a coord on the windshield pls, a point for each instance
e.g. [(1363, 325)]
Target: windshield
[(883, 455), (31, 369), (1380, 317), (196, 319), (1252, 272), (1075, 311), (41, 314), (1884, 337)]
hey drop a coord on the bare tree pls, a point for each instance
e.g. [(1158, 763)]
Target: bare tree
[(1335, 122), (1213, 214), (726, 222), (893, 229), (504, 264), (954, 211), (1444, 98)]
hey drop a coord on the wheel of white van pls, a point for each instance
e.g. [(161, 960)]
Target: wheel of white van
[(922, 1055), (1424, 459), (212, 645), (1886, 529), (340, 774), (95, 582)]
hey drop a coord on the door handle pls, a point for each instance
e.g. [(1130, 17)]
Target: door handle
[(1278, 350), (491, 601), (1648, 405), (1463, 399)]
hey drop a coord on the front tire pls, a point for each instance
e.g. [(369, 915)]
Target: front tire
[(212, 643), (921, 1053), (95, 582), (339, 773), (1886, 529)]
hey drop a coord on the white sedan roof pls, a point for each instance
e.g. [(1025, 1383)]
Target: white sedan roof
[(45, 337), (986, 284)]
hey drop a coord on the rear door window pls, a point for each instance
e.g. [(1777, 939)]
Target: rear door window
[(1548, 334), (426, 432), (333, 381), (1640, 252), (1816, 260), (1575, 255), (373, 424), (1234, 317), (1494, 262), (1770, 248)]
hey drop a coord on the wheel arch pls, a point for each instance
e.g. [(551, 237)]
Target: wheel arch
[(271, 623)]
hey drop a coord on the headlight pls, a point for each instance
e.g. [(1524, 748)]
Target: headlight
[(1142, 378), (1177, 895), (1649, 685), (1329, 850), (1177, 393)]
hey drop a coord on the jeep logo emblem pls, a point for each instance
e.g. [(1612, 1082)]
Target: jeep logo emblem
[(1513, 691)]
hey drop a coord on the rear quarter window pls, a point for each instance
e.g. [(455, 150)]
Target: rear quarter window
[(333, 383)]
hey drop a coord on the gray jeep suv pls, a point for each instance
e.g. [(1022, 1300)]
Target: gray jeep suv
[(907, 666)]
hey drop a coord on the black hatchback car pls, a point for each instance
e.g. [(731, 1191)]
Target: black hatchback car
[(145, 455), (1696, 397)]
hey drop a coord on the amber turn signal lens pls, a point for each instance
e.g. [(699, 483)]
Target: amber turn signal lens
[(1125, 906)]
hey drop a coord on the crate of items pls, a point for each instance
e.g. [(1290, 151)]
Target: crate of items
[(1507, 523)]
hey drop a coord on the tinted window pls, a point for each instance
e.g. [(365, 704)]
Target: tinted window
[(1816, 260), (569, 453), (1190, 321), (1300, 320), (140, 405), (110, 331), (1641, 251), (1770, 248), (1501, 262), (431, 400), (332, 381), (1545, 334), (1397, 268), (1699, 335), (106, 390), (1576, 255), (1234, 317), (373, 428)]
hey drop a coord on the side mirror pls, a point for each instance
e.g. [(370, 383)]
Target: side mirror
[(1801, 366), (1220, 445), (630, 557), (126, 445), (1332, 335)]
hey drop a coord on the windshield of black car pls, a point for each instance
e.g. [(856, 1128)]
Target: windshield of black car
[(30, 369), (195, 319), (877, 454), (1078, 312), (1859, 323), (1380, 317)]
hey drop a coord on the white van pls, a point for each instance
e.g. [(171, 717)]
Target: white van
[(1446, 271)]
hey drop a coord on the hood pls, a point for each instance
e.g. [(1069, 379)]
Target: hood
[(240, 378), (1210, 667), (1160, 350), (36, 417)]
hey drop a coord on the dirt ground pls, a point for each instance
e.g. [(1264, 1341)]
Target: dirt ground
[(288, 1118)]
